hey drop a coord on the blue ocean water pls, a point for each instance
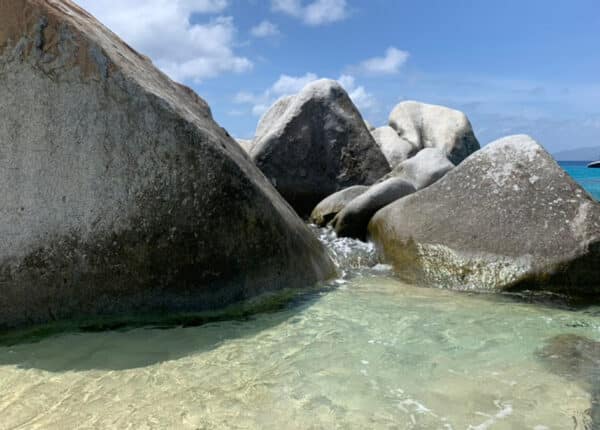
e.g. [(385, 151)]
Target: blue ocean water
[(588, 178)]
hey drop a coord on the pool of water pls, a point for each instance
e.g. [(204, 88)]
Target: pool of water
[(588, 178), (366, 352)]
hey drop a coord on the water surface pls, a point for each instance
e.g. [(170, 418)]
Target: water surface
[(364, 352), (588, 178)]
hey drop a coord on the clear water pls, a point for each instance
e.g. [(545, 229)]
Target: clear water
[(366, 352), (588, 178)]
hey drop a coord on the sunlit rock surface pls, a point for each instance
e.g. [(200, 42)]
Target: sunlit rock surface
[(508, 217), (119, 191), (429, 126), (316, 143)]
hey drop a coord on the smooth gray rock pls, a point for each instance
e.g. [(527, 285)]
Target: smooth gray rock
[(507, 218), (120, 194), (246, 144), (352, 221), (395, 149), (422, 170), (431, 126), (328, 208), (271, 117), (369, 126), (316, 144)]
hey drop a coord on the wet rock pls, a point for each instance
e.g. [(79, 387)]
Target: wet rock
[(507, 218), (430, 126), (328, 208), (316, 143), (352, 221), (120, 193)]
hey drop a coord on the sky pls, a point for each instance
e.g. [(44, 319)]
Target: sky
[(513, 66)]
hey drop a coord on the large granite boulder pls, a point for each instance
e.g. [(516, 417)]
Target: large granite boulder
[(353, 219), (246, 144), (328, 208), (507, 218), (119, 192), (315, 144), (422, 170), (395, 149), (430, 126), (271, 117)]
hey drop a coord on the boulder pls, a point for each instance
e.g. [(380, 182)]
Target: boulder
[(507, 218), (353, 219), (246, 144), (270, 118), (430, 126), (315, 144), (120, 194), (422, 170), (395, 149), (369, 126), (328, 208)]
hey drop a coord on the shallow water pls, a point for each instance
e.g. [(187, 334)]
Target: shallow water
[(367, 352)]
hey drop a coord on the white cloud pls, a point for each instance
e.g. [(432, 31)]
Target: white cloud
[(162, 29), (288, 85), (318, 12), (265, 29), (389, 64), (359, 95)]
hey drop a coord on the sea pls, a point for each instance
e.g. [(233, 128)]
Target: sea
[(588, 178)]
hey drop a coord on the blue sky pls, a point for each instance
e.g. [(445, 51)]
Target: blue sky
[(527, 66)]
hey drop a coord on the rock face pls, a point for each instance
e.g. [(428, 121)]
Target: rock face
[(422, 170), (369, 126), (245, 144), (353, 219), (327, 209), (315, 144), (507, 218), (119, 191), (429, 126), (395, 149), (270, 118)]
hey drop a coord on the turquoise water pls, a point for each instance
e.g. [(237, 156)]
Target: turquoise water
[(588, 178), (363, 352)]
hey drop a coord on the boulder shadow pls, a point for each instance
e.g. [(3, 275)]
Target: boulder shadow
[(134, 343)]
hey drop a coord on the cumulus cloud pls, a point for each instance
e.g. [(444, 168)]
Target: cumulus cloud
[(317, 12), (162, 29), (265, 29), (359, 95), (389, 64), (288, 85)]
